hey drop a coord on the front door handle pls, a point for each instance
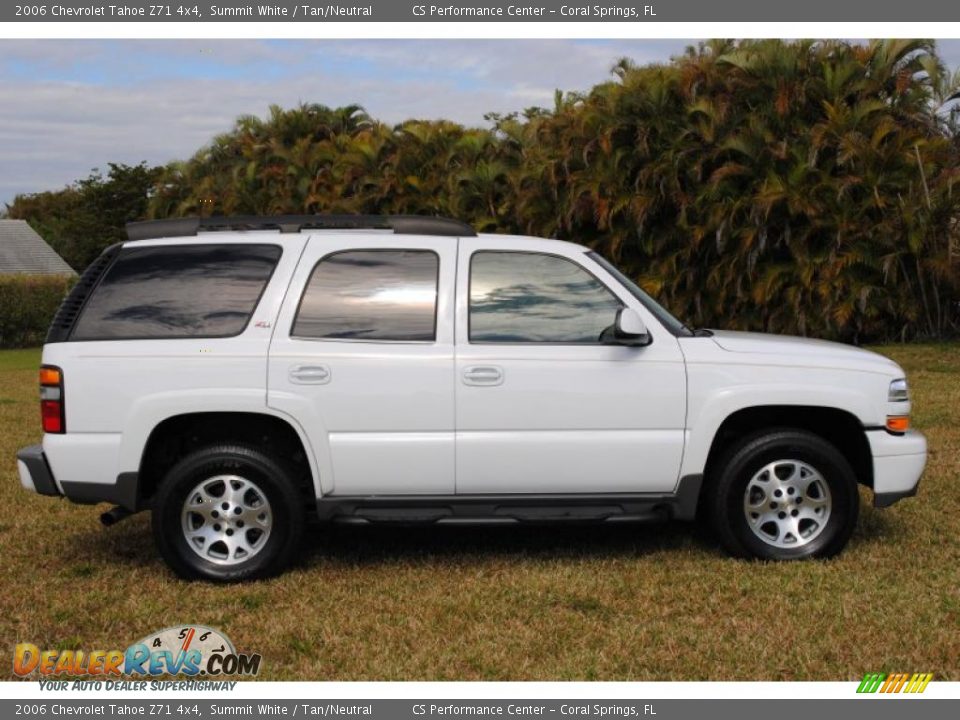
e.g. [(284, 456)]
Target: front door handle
[(482, 375), (310, 374)]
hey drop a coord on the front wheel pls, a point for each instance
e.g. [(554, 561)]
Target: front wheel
[(227, 513), (784, 495)]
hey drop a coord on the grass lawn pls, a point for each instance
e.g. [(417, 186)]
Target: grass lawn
[(599, 603)]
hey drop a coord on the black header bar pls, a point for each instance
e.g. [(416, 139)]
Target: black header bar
[(554, 11)]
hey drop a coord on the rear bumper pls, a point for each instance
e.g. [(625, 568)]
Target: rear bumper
[(35, 473), (898, 462), (36, 476)]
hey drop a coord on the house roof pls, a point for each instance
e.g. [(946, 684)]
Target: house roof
[(23, 251)]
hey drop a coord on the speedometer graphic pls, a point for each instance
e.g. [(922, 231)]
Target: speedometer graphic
[(185, 638)]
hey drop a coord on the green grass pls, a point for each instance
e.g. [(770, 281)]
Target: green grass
[(602, 603), (28, 359)]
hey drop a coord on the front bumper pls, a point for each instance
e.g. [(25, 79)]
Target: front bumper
[(898, 462)]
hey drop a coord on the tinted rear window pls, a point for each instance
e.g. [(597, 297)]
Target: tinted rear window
[(371, 295), (178, 292)]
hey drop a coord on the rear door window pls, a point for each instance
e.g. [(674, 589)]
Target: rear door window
[(178, 291), (381, 295)]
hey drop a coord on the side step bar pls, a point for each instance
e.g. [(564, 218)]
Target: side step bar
[(523, 508)]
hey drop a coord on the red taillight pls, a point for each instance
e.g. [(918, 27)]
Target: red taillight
[(51, 400), (52, 413)]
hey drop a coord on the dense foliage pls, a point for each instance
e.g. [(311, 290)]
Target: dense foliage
[(27, 304), (87, 216), (801, 187)]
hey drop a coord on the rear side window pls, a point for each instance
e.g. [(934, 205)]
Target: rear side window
[(371, 295), (179, 291)]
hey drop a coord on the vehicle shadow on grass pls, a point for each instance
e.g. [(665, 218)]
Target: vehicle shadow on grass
[(130, 543), (376, 544), (371, 545), (876, 525)]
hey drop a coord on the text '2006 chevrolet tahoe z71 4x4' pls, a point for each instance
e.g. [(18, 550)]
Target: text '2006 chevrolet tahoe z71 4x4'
[(238, 375)]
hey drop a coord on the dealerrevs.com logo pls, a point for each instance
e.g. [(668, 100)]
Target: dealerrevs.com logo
[(190, 650), (895, 683)]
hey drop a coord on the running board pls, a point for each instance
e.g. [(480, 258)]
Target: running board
[(521, 508)]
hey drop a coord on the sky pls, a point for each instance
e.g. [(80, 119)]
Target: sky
[(69, 106)]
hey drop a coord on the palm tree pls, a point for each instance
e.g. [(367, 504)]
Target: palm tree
[(804, 187)]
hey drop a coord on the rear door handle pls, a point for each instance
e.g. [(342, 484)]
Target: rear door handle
[(310, 374), (482, 375)]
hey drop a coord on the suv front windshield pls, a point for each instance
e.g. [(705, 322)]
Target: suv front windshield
[(661, 313)]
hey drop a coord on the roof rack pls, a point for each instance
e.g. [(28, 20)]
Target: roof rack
[(400, 224)]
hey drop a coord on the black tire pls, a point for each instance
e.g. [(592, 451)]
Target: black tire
[(739, 465), (271, 477)]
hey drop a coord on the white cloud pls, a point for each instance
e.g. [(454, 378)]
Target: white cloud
[(53, 131), (69, 106)]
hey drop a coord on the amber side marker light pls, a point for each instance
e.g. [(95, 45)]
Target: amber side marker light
[(51, 400), (898, 423)]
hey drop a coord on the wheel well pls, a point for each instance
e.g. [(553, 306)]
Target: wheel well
[(179, 435), (838, 427)]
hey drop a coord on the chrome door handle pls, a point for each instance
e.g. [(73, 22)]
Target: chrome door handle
[(482, 375), (310, 374)]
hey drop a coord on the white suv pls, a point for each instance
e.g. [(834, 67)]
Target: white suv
[(240, 375)]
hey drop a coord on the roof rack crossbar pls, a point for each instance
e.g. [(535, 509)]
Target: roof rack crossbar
[(400, 224)]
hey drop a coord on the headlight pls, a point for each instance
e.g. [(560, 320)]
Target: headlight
[(898, 391)]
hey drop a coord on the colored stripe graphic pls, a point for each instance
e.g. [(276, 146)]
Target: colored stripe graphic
[(919, 682), (894, 683), (871, 682)]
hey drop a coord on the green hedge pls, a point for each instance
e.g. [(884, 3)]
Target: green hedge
[(27, 305)]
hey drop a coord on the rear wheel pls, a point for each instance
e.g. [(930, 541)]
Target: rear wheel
[(784, 495), (227, 513)]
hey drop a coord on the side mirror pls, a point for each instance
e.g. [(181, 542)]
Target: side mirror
[(630, 329)]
